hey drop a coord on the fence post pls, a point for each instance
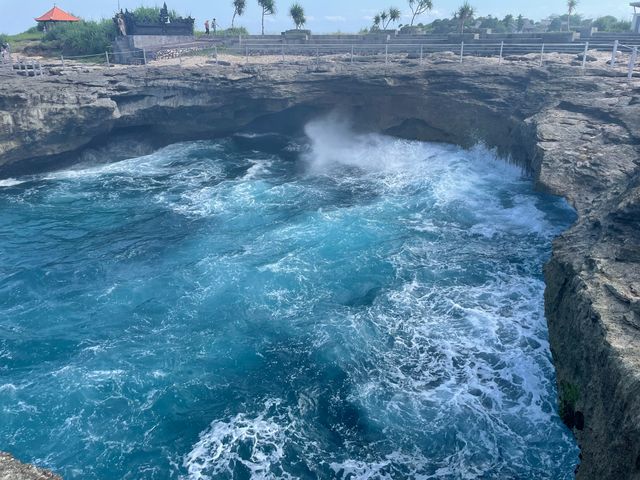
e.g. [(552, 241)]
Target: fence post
[(283, 52), (542, 55), (614, 54), (62, 58), (461, 51), (584, 57), (106, 55), (386, 54), (215, 52), (421, 54), (246, 48), (632, 62), (144, 56), (351, 60), (501, 50)]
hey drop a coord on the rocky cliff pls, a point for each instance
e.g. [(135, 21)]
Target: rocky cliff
[(578, 136)]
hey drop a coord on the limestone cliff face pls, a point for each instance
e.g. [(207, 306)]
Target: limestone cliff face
[(579, 137)]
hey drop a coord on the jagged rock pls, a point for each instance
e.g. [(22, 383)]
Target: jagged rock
[(12, 469), (578, 135)]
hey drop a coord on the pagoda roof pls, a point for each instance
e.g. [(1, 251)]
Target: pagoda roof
[(57, 15)]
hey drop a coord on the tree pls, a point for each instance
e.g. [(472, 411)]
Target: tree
[(520, 23), (239, 7), (508, 22), (383, 19), (296, 12), (386, 17), (268, 8), (376, 22), (571, 5), (418, 7), (394, 16), (466, 12)]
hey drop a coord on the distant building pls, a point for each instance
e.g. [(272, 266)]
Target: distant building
[(635, 24), (55, 15)]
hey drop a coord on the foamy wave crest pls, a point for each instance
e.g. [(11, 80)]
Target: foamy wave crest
[(257, 444), (10, 182)]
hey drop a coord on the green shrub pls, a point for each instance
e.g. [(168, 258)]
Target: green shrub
[(233, 31), (611, 24), (81, 38), (152, 14)]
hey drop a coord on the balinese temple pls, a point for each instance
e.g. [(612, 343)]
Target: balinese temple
[(56, 15)]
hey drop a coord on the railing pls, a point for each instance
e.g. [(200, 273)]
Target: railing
[(537, 54), (616, 58)]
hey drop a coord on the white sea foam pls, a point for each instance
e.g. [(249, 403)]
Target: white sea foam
[(10, 182), (257, 443)]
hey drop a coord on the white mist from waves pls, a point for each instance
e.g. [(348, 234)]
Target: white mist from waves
[(334, 142), (445, 170)]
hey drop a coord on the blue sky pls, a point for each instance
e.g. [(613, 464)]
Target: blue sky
[(322, 15)]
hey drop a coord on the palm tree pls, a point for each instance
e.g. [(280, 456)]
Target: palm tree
[(268, 8), (383, 19), (238, 9), (464, 13), (571, 4), (296, 12), (376, 22), (386, 17), (394, 15), (418, 7)]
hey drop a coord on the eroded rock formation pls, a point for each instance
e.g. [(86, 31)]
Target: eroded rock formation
[(579, 136), (12, 469)]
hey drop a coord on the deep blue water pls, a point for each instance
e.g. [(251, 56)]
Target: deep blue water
[(339, 306)]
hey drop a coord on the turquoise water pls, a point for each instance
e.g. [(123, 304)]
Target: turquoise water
[(340, 306)]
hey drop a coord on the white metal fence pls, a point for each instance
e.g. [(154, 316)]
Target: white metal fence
[(616, 58)]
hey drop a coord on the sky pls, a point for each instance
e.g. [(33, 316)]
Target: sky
[(323, 16)]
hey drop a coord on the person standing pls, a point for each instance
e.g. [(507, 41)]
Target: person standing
[(214, 26), (206, 27)]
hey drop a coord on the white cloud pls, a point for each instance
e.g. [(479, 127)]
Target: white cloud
[(335, 18)]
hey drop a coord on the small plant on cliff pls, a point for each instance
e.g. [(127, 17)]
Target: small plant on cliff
[(268, 8), (569, 395), (418, 7), (464, 13), (571, 6), (239, 7), (296, 12)]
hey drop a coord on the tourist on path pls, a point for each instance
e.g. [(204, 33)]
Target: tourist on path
[(214, 26), (206, 27)]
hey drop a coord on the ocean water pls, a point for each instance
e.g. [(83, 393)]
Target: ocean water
[(259, 307)]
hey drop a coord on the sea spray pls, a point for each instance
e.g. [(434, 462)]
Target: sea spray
[(345, 306)]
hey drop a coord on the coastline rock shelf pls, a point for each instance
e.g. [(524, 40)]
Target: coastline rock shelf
[(579, 136)]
